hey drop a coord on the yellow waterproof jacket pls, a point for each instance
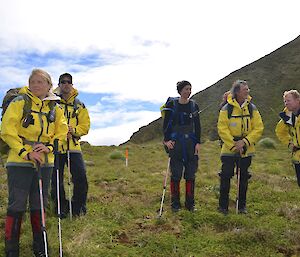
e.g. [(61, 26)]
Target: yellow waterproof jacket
[(78, 117), (288, 131), (20, 139), (239, 125)]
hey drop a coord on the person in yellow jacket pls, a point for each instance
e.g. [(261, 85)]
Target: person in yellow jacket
[(79, 124), (288, 128), (239, 126), (30, 140)]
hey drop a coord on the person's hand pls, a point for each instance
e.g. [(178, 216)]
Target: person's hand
[(170, 144), (291, 146), (197, 149), (239, 146), (69, 135), (70, 129), (34, 156), (40, 148)]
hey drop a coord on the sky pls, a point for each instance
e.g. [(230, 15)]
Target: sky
[(127, 56)]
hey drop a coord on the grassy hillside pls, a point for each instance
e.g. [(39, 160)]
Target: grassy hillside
[(268, 78), (122, 204)]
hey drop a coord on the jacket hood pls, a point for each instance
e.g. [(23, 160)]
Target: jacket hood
[(234, 102), (73, 94), (50, 96)]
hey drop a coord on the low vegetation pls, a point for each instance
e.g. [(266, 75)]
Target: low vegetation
[(123, 203)]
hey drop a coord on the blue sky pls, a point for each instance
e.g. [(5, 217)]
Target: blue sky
[(126, 56)]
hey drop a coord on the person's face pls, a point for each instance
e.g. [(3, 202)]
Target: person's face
[(291, 103), (39, 86), (186, 92), (243, 93), (65, 86)]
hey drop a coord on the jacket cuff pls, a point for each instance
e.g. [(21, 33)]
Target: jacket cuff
[(246, 141), (23, 153)]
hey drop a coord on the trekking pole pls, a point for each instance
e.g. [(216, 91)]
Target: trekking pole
[(58, 196), (238, 173), (164, 189), (42, 207), (69, 169)]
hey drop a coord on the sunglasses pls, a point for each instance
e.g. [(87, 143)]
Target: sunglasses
[(66, 82)]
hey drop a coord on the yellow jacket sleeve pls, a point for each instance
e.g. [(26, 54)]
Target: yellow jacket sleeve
[(256, 131), (83, 123), (282, 133)]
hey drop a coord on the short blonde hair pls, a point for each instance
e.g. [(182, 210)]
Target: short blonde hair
[(42, 73), (292, 92)]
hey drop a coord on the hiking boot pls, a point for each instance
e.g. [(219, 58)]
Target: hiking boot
[(38, 245), (175, 209), (12, 254), (242, 211), (39, 254), (223, 210), (191, 208)]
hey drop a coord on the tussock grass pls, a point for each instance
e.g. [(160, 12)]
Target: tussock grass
[(267, 143), (122, 218)]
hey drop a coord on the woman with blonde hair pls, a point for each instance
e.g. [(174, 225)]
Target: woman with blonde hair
[(30, 135)]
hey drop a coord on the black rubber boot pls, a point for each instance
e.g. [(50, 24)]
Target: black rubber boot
[(189, 195), (38, 245), (12, 233), (175, 195)]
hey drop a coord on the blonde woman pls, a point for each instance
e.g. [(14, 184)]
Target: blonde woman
[(30, 136)]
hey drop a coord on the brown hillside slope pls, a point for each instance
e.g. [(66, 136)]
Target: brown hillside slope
[(268, 78)]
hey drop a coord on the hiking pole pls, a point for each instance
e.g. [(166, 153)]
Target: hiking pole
[(238, 173), (69, 169), (42, 207), (58, 196), (164, 189)]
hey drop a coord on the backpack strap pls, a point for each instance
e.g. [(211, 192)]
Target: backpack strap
[(229, 108)]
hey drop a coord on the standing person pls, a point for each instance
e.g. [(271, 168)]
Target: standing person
[(182, 138), (30, 140), (79, 124), (239, 126), (288, 128)]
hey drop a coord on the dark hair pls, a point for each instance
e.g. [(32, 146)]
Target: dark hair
[(182, 84), (62, 76)]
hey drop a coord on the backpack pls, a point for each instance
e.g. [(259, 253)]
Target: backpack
[(175, 100), (12, 94), (173, 110)]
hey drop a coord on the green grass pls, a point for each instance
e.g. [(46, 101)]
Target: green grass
[(123, 204)]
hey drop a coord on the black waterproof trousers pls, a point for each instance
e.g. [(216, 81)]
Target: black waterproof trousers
[(23, 185), (229, 163), (79, 180)]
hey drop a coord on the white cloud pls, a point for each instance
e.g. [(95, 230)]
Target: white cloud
[(115, 135), (146, 46)]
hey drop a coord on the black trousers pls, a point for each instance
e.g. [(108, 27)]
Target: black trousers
[(179, 166), (79, 180), (227, 172), (23, 184)]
